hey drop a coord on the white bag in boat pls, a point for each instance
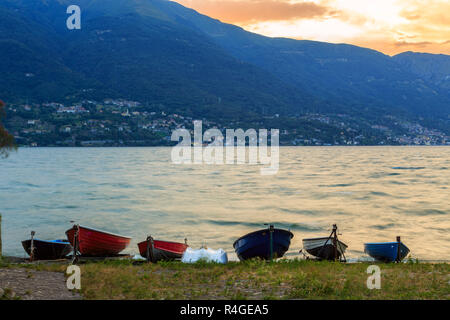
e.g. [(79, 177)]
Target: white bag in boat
[(138, 257), (208, 255)]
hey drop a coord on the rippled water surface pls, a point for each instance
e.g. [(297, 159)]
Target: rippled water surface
[(372, 193)]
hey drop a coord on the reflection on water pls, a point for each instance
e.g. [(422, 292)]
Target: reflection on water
[(372, 193)]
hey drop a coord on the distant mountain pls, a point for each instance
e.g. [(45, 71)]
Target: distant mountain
[(434, 68), (353, 76), (133, 55), (159, 52)]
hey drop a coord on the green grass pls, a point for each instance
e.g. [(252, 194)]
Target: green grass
[(286, 279)]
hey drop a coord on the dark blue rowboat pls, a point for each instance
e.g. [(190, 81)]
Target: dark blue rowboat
[(386, 251), (258, 244), (47, 249)]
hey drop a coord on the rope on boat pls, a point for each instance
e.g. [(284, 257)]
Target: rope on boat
[(32, 248), (150, 249), (75, 244), (335, 245), (397, 259)]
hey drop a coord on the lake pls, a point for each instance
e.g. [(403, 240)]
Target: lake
[(371, 193)]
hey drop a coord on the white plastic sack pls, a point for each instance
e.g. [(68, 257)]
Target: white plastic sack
[(208, 255)]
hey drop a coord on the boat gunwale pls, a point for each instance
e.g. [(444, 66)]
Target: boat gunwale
[(257, 231), (171, 251), (62, 242), (324, 238), (376, 243), (101, 231)]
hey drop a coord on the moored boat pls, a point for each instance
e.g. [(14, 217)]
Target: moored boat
[(39, 249), (157, 250), (327, 248), (324, 248), (387, 251), (93, 242), (264, 244)]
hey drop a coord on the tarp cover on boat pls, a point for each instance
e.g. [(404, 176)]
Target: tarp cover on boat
[(208, 255)]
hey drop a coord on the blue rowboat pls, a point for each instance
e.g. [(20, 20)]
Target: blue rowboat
[(258, 244), (386, 251)]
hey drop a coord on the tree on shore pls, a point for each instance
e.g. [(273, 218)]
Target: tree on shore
[(7, 143)]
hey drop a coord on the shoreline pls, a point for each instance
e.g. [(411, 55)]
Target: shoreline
[(248, 280), (281, 146), (17, 259)]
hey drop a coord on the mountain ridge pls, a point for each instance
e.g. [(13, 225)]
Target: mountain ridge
[(161, 52)]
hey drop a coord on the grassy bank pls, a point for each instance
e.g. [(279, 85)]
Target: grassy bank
[(258, 280)]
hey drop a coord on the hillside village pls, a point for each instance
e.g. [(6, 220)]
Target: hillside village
[(120, 122)]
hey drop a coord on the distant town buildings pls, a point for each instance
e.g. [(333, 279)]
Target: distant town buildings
[(120, 122), (72, 109)]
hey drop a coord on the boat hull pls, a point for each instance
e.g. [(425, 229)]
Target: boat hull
[(163, 250), (323, 248), (47, 249), (386, 251), (257, 244), (97, 243)]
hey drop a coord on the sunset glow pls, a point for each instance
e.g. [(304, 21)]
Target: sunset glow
[(390, 26)]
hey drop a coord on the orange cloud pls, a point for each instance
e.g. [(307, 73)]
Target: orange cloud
[(390, 26), (245, 11), (393, 47), (431, 12)]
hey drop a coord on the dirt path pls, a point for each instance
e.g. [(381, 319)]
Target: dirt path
[(25, 284)]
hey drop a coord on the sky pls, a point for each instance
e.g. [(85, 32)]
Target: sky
[(389, 26)]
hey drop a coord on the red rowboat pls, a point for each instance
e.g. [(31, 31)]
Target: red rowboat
[(162, 250), (92, 242)]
